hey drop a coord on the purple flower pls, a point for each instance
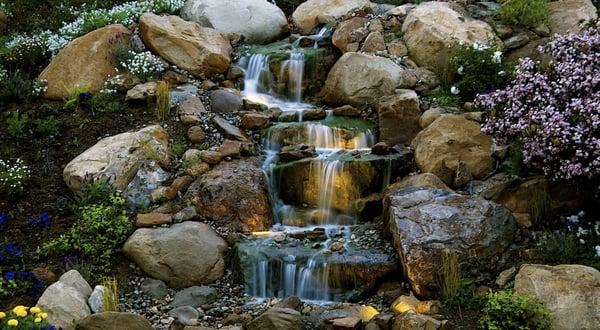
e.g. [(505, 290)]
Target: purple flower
[(4, 218), (42, 220), (9, 276), (553, 110)]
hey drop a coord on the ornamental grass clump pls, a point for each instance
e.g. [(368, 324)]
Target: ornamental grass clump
[(553, 109)]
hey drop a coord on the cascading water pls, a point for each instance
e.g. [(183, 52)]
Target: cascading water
[(303, 271)]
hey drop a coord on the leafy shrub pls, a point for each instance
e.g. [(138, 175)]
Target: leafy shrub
[(17, 86), (26, 52), (553, 110), (13, 176), (25, 318), (525, 13), (558, 247), (505, 310), (107, 103), (47, 126), (477, 69), (97, 235), (16, 124)]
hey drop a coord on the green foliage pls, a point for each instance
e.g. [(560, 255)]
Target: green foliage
[(97, 235), (163, 100), (17, 87), (558, 247), (16, 124), (49, 126), (110, 296), (525, 13), (514, 164), (179, 148), (445, 98), (505, 310), (107, 103), (94, 193), (75, 96), (476, 69)]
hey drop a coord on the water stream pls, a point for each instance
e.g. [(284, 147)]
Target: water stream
[(300, 271)]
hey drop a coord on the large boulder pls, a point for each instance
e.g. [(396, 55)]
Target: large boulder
[(359, 79), (570, 292), (433, 30), (259, 21), (118, 158), (114, 320), (425, 222), (234, 194), (312, 13), (399, 117), (86, 62), (454, 149), (66, 300), (276, 319), (570, 16), (189, 46), (183, 255)]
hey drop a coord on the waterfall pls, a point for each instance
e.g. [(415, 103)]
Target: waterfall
[(330, 173), (332, 138), (302, 264), (294, 70)]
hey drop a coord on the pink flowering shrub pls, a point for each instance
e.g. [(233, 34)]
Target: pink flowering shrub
[(553, 110)]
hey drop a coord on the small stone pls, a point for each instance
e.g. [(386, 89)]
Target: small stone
[(349, 322), (153, 219), (337, 247), (211, 157), (96, 299), (279, 237), (373, 43), (142, 92), (314, 114), (196, 134), (174, 78), (190, 110), (380, 148), (506, 276), (397, 48), (186, 214), (225, 101), (185, 315), (346, 111), (255, 121), (194, 296), (156, 289), (288, 116), (542, 30), (516, 41)]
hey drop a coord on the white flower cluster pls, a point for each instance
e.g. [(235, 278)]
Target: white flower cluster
[(144, 65), (5, 8), (111, 84), (13, 176), (40, 87), (3, 74), (127, 14)]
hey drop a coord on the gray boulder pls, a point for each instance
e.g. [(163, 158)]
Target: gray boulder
[(66, 300), (259, 21), (424, 222), (195, 296)]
